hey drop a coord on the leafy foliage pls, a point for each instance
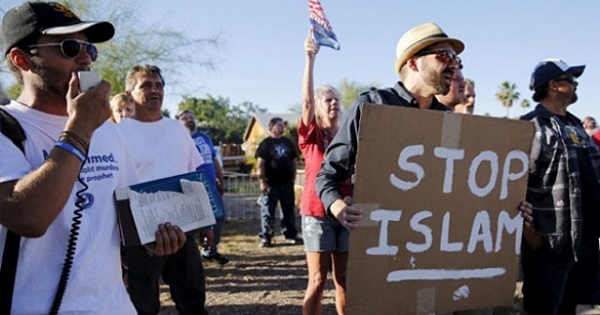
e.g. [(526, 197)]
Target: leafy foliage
[(137, 43), (223, 121), (3, 97), (507, 95), (13, 91), (350, 90)]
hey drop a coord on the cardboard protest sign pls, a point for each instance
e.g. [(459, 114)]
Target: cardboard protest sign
[(441, 230)]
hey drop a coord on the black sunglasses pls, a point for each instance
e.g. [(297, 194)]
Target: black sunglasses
[(70, 48), (570, 80), (442, 54)]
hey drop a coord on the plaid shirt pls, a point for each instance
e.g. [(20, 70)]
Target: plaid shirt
[(554, 178)]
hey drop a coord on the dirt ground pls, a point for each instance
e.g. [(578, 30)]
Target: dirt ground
[(257, 280), (260, 281)]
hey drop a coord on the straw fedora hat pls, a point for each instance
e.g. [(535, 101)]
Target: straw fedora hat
[(419, 37)]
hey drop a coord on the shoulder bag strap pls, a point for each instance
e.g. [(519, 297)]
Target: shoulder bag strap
[(10, 127)]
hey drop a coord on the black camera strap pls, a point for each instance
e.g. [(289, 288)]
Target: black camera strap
[(9, 127)]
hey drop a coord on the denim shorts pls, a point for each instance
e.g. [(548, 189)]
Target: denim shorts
[(324, 235)]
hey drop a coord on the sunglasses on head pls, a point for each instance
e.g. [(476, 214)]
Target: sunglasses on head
[(70, 48), (444, 55)]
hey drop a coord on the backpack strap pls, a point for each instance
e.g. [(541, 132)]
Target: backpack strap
[(11, 128), (8, 271)]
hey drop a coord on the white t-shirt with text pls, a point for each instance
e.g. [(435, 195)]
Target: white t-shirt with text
[(95, 285)]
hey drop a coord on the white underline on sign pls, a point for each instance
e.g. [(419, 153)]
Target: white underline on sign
[(444, 274)]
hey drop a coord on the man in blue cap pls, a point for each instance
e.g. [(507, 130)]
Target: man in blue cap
[(560, 257)]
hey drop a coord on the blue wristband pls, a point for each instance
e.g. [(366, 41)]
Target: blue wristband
[(73, 150)]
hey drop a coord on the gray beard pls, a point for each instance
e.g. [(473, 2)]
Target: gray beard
[(436, 81)]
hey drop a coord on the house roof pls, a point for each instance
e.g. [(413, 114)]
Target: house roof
[(263, 120)]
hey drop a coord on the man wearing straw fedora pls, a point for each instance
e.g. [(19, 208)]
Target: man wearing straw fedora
[(427, 62)]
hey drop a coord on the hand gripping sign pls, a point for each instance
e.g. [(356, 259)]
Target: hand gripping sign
[(440, 228)]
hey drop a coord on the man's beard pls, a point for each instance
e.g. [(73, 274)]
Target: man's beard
[(191, 126), (46, 79), (435, 80), (573, 98), (41, 81)]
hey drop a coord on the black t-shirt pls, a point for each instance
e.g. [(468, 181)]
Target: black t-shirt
[(279, 155)]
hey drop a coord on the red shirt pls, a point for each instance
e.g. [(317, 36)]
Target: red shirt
[(596, 138), (312, 142)]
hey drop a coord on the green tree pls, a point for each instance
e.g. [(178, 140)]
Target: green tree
[(295, 108), (3, 97), (222, 121), (13, 91), (137, 43), (525, 103), (350, 90), (507, 95)]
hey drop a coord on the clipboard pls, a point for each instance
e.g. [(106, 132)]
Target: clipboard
[(130, 230)]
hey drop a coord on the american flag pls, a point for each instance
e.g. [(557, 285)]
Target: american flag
[(322, 31)]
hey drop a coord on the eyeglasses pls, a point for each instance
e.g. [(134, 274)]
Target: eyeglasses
[(70, 48), (444, 55), (188, 116), (570, 80)]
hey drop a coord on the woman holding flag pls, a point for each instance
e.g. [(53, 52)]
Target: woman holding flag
[(325, 239)]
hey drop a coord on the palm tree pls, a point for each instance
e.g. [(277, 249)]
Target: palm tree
[(507, 95), (525, 103)]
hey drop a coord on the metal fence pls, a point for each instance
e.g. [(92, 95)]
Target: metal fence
[(242, 192)]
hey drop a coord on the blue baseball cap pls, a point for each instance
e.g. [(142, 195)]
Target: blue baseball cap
[(550, 69)]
